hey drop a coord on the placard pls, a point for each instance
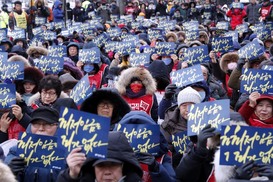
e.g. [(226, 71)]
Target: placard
[(57, 51), (90, 55), (12, 70), (18, 34), (7, 95), (101, 39), (222, 44), (125, 48), (140, 59), (192, 35), (180, 142), (155, 33), (165, 48), (50, 65), (196, 55)]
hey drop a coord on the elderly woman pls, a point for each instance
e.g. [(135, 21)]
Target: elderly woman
[(257, 111)]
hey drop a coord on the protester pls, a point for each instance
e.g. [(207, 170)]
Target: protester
[(58, 13), (18, 18)]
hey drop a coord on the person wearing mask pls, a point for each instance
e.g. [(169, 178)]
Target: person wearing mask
[(18, 17), (4, 17)]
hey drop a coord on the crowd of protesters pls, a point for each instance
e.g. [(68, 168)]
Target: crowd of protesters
[(120, 87)]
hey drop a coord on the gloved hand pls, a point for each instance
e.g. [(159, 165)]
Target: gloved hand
[(204, 134), (245, 171), (170, 91), (265, 170), (240, 64), (148, 159), (17, 165)]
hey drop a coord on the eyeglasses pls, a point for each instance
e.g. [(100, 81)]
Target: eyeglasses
[(44, 124), (103, 104), (48, 93)]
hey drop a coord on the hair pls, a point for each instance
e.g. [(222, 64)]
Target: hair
[(51, 82)]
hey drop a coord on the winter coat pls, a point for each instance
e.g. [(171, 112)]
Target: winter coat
[(148, 82), (6, 173), (58, 13), (42, 10), (161, 9), (118, 148), (237, 15), (253, 13), (166, 172), (13, 131), (79, 14)]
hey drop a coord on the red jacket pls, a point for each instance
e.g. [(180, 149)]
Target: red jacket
[(14, 129), (236, 16)]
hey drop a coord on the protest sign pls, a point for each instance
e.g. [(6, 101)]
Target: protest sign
[(180, 142), (144, 138), (215, 113), (125, 47), (196, 55), (140, 59), (50, 65), (267, 67), (81, 90), (222, 44), (40, 151), (79, 128), (222, 25), (57, 51), (101, 39), (12, 70), (165, 48), (40, 20), (114, 32), (192, 35), (7, 95), (90, 55), (155, 33), (3, 34), (251, 51), (18, 34), (240, 144), (242, 28), (187, 76), (253, 80)]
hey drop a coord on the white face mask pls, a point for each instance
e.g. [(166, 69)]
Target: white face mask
[(232, 65), (202, 94)]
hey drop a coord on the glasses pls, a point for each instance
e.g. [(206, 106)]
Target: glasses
[(44, 124), (51, 94), (103, 104)]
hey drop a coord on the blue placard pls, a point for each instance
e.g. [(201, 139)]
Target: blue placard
[(79, 128), (242, 28), (144, 138), (114, 32), (165, 48), (3, 34), (40, 151), (267, 67), (37, 30), (167, 25), (90, 55), (196, 55), (49, 35), (111, 45), (12, 70), (18, 34), (187, 76), (149, 50), (140, 59), (155, 33), (222, 25), (180, 142), (135, 24), (57, 51), (85, 26), (59, 25), (125, 48), (40, 20), (253, 80), (257, 27), (216, 113), (3, 57), (82, 90), (89, 31), (269, 25), (7, 95), (114, 17), (222, 44), (130, 37), (101, 39), (2, 48), (36, 40), (264, 34), (233, 34), (191, 25), (192, 35), (50, 65), (240, 144)]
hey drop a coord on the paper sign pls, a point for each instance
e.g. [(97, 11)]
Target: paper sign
[(125, 48), (101, 39), (12, 70), (57, 51), (223, 25), (165, 48), (222, 44), (180, 142), (3, 34), (7, 95), (192, 35), (192, 25), (242, 28), (114, 32), (140, 59), (196, 55), (155, 33), (49, 35), (90, 55), (18, 34), (50, 65), (40, 20)]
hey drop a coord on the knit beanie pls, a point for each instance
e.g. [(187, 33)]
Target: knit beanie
[(188, 94)]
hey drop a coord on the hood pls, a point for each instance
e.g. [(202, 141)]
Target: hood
[(195, 42), (120, 149), (204, 33), (231, 56), (57, 3), (203, 85), (121, 107), (172, 34), (72, 44), (140, 117), (74, 70), (263, 97), (6, 173), (19, 58), (37, 49), (160, 73), (42, 2), (141, 73), (21, 40)]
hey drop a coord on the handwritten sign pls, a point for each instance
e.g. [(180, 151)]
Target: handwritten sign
[(50, 65), (57, 51), (242, 28), (37, 39), (251, 50), (149, 50), (37, 30), (90, 55), (253, 80), (240, 144), (233, 34), (180, 142), (101, 39), (187, 76), (264, 34), (192, 35), (140, 59), (7, 95), (111, 45), (49, 35), (3, 34), (82, 90), (89, 31), (267, 67), (135, 24), (165, 48), (143, 138), (222, 44), (155, 33), (78, 128), (167, 25), (223, 25), (215, 113), (191, 25), (125, 48), (3, 57), (18, 34), (59, 25), (114, 32), (196, 55), (40, 151), (12, 70), (40, 20), (130, 37)]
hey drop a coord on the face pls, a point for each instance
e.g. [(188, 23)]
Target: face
[(171, 39), (60, 40), (18, 7), (108, 172), (105, 108), (41, 127), (48, 96), (205, 73), (184, 109), (20, 43), (28, 86), (43, 28), (72, 51), (264, 109)]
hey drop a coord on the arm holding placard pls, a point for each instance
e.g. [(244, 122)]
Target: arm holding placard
[(4, 125)]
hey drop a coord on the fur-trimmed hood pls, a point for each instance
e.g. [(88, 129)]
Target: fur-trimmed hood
[(6, 174), (195, 42), (37, 96), (228, 57), (204, 33), (19, 58), (141, 73), (37, 49), (172, 34)]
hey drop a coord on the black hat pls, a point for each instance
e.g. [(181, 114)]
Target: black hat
[(46, 114), (107, 160)]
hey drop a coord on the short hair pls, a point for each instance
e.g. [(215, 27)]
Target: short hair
[(51, 82)]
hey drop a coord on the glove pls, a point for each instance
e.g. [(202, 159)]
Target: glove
[(245, 171), (17, 165), (170, 91), (149, 159), (240, 64), (265, 170), (206, 133)]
